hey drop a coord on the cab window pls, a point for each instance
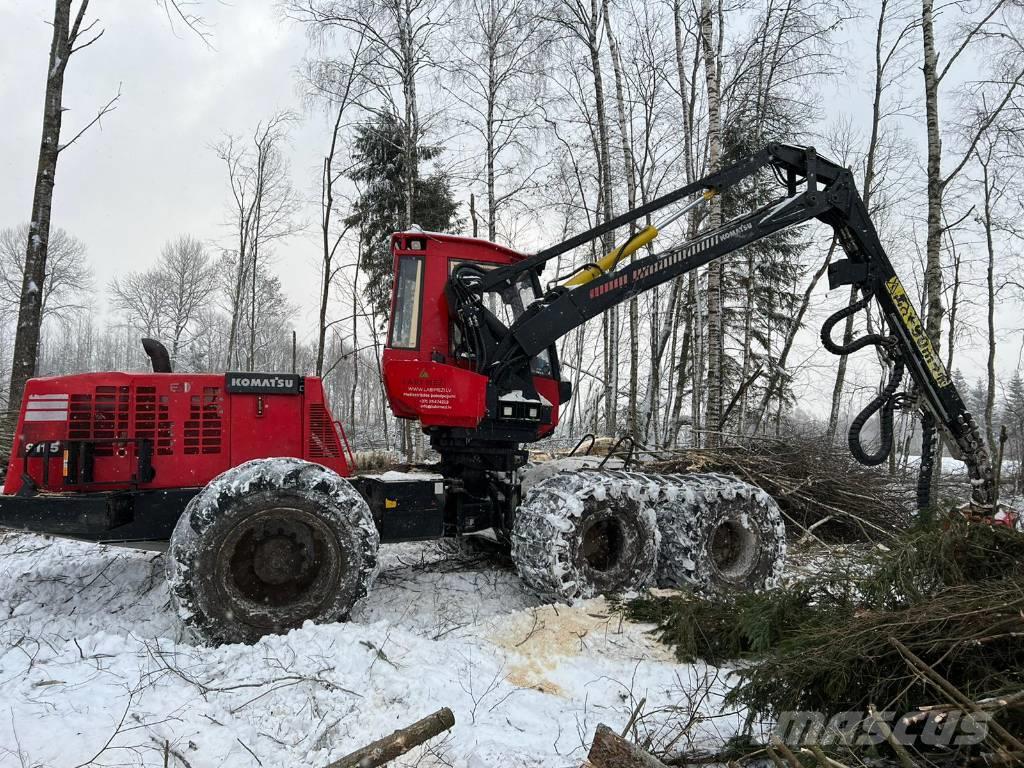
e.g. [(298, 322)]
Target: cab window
[(405, 320)]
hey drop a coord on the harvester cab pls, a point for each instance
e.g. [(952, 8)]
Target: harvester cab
[(437, 371)]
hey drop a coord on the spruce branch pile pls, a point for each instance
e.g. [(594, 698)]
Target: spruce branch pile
[(951, 594), (819, 487)]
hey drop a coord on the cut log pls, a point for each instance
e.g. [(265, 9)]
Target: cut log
[(398, 743), (609, 750)]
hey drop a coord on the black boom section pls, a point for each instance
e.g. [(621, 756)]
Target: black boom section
[(536, 330)]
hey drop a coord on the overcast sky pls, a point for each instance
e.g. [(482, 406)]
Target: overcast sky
[(149, 174)]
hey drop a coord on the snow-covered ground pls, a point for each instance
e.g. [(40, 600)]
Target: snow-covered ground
[(94, 670)]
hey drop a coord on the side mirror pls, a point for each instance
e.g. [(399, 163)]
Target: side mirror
[(564, 391)]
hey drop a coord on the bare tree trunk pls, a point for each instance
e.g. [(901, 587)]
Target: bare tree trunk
[(787, 345), (933, 239), (26, 339), (933, 242), (411, 114), (492, 95), (355, 337), (867, 192), (630, 174), (715, 340), (748, 329), (990, 285), (385, 750), (954, 304), (689, 345), (837, 389), (608, 319), (328, 248)]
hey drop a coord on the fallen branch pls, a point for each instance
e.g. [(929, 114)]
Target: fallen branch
[(398, 743), (821, 490), (609, 750), (955, 695)]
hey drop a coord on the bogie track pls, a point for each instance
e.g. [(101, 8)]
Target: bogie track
[(582, 532)]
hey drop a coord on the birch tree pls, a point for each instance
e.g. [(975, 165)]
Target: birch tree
[(337, 84), (167, 301), (69, 280), (264, 208), (994, 189), (998, 92), (71, 34), (893, 27), (497, 81), (715, 340), (399, 37)]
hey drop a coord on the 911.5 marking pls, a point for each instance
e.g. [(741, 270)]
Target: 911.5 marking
[(47, 448)]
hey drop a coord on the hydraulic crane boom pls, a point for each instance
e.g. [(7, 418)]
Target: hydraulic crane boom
[(815, 188)]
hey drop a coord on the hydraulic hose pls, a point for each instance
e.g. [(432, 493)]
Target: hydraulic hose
[(871, 339), (884, 404)]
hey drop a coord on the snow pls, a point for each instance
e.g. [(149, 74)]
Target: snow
[(950, 466), (393, 476), (779, 206), (517, 396), (90, 649)]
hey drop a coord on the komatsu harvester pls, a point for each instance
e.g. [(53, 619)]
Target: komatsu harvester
[(250, 479)]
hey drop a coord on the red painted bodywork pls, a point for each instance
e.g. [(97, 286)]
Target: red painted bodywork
[(428, 382), (197, 429)]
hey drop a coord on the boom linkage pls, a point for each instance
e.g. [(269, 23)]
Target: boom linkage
[(815, 188)]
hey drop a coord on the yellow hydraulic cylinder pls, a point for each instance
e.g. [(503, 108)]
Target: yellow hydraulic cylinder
[(611, 260), (608, 262)]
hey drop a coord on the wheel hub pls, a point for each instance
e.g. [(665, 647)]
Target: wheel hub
[(275, 558), (602, 544), (733, 548)]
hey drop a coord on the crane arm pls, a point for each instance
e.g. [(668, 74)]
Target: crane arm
[(814, 188)]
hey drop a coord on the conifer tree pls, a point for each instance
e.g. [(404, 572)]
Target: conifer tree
[(381, 171)]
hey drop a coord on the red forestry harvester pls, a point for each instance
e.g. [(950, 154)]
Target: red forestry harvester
[(250, 478)]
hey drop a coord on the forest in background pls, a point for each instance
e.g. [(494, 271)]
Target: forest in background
[(525, 121)]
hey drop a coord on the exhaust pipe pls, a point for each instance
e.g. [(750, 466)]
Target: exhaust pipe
[(157, 355)]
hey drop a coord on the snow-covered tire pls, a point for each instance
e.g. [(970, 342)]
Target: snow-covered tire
[(268, 545), (719, 534), (579, 534)]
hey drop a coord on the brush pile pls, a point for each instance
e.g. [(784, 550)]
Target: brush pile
[(934, 624), (822, 491)]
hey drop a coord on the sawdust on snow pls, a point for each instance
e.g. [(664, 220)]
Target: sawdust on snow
[(541, 639)]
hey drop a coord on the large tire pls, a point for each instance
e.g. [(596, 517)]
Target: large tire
[(268, 545), (579, 534), (718, 535)]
